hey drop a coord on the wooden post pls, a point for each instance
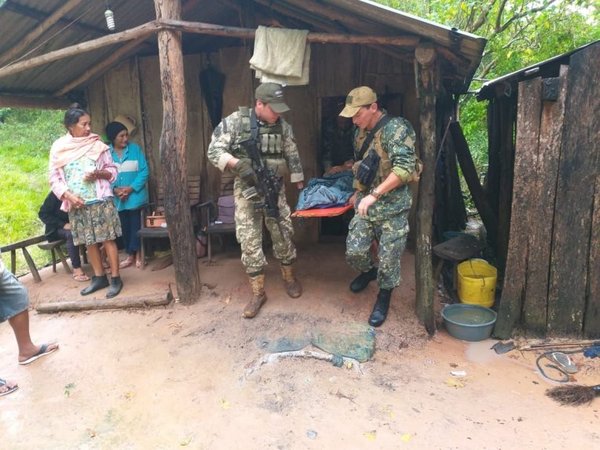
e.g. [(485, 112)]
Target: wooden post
[(425, 57), (173, 156)]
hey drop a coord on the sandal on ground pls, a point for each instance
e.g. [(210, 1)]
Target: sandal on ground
[(80, 277), (45, 349), (138, 263), (563, 361), (7, 388), (127, 262)]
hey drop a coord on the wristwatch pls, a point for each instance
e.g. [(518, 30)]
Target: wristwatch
[(375, 193)]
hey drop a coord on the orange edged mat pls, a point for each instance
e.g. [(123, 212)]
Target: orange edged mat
[(322, 212)]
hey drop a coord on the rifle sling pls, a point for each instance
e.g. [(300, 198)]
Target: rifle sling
[(253, 126), (367, 142)]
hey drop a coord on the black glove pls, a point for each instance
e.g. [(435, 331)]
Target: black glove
[(243, 169)]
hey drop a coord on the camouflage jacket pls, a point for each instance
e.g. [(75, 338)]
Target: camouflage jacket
[(397, 138), (233, 129)]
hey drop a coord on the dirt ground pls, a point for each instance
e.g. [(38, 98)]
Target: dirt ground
[(189, 376)]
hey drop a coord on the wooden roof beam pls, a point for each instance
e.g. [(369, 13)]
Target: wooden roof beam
[(321, 38), (134, 33), (104, 65), (32, 101), (40, 15), (323, 24), (198, 28), (39, 30)]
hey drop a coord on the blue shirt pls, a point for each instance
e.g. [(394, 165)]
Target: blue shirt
[(133, 172)]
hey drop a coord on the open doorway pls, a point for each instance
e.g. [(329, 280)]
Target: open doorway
[(336, 154)]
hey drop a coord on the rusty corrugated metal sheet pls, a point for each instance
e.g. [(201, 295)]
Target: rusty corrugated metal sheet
[(86, 22)]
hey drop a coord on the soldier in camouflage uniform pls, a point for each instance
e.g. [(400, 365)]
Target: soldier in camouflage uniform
[(277, 146), (382, 203)]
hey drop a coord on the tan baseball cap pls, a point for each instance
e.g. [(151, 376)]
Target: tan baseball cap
[(272, 94), (357, 97), (128, 121)]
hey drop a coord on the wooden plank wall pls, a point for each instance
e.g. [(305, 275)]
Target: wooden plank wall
[(551, 282), (570, 292), (501, 148)]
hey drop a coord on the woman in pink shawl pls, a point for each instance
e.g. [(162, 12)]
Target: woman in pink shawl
[(81, 170)]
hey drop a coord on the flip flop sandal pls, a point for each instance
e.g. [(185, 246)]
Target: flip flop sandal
[(81, 277), (126, 263), (563, 361), (9, 390), (43, 351)]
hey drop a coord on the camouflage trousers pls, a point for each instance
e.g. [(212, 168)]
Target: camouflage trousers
[(249, 218), (391, 234)]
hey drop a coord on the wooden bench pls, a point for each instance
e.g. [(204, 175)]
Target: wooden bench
[(54, 247), (146, 233), (23, 246)]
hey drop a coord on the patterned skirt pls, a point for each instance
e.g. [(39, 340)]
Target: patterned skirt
[(94, 224)]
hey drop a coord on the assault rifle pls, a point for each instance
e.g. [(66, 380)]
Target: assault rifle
[(268, 184)]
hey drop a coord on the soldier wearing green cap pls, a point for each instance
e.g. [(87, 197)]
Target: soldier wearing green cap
[(385, 166), (277, 146)]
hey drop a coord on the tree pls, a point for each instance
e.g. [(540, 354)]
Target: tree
[(519, 33)]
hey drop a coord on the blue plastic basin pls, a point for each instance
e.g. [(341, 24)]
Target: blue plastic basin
[(469, 322)]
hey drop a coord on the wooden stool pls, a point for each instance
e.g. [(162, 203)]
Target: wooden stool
[(55, 250), (456, 250)]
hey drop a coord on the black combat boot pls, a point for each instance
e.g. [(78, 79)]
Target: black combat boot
[(115, 287), (97, 283), (363, 280), (380, 310)]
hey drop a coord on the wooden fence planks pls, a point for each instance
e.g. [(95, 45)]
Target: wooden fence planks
[(513, 291), (542, 194), (569, 271), (591, 324)]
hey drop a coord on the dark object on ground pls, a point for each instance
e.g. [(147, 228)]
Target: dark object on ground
[(574, 395), (592, 352), (503, 347)]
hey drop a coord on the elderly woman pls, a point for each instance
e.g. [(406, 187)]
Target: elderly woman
[(131, 194), (81, 172)]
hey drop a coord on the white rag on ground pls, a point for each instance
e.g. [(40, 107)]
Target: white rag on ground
[(281, 56)]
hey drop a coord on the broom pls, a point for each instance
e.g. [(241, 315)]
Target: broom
[(574, 395)]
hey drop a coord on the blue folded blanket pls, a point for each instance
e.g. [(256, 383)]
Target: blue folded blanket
[(327, 192)]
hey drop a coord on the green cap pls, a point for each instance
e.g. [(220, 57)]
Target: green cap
[(272, 94)]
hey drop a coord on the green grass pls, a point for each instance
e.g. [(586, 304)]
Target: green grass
[(25, 140)]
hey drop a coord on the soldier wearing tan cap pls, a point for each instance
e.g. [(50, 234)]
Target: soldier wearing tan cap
[(278, 150), (384, 168)]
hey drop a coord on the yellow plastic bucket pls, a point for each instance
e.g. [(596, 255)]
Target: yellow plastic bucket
[(477, 282)]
